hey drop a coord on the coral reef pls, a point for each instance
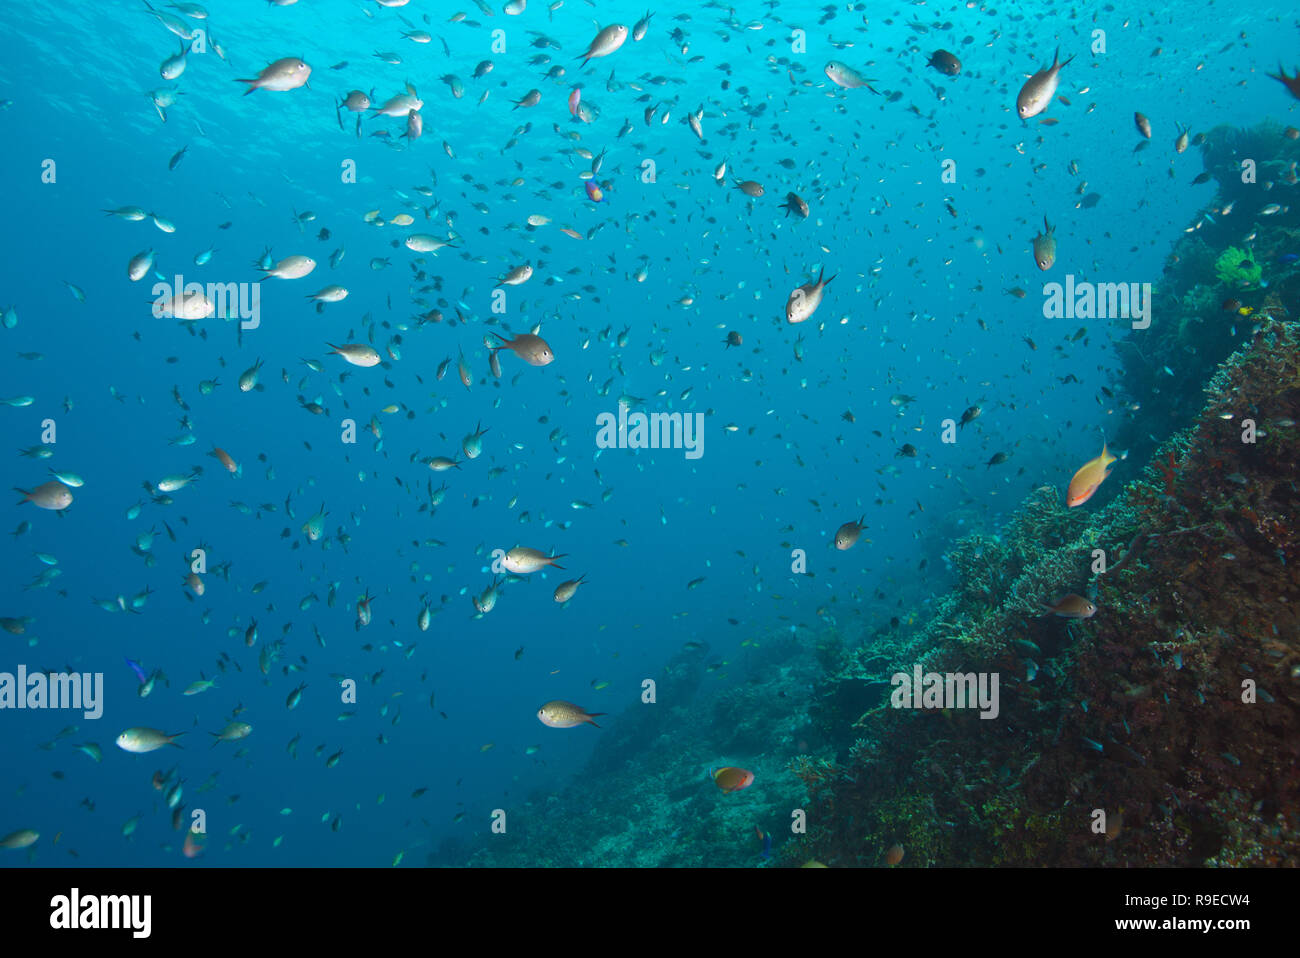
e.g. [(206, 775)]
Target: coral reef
[(645, 798), (1162, 730), (1207, 304), (1175, 710)]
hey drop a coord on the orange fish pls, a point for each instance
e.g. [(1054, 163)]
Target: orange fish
[(731, 779), (1088, 478), (574, 98)]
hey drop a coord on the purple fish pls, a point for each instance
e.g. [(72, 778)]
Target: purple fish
[(138, 669)]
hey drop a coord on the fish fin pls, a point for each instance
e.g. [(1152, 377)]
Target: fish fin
[(251, 88)]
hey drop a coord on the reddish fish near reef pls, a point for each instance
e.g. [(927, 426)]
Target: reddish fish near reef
[(731, 779)]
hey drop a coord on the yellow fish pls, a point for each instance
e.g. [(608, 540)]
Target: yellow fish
[(1088, 478)]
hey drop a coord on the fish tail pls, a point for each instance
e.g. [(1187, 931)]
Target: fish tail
[(252, 85), (27, 496), (592, 715)]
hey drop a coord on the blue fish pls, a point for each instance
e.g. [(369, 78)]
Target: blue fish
[(138, 669), (1288, 257)]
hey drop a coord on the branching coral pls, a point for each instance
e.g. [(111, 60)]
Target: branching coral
[(815, 773)]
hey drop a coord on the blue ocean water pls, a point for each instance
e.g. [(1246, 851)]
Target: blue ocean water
[(918, 307)]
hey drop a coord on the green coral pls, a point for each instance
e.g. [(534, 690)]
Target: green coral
[(1236, 268)]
